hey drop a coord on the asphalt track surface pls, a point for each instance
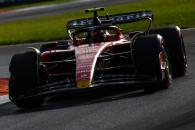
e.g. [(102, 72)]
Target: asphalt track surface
[(171, 109), (52, 10)]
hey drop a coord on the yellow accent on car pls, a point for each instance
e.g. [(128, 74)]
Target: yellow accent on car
[(83, 84)]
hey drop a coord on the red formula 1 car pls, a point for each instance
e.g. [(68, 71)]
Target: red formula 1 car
[(98, 55)]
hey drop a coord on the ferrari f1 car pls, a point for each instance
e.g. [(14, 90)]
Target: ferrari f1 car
[(98, 54)]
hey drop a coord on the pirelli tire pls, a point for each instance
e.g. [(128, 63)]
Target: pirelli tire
[(150, 56), (175, 44), (24, 71)]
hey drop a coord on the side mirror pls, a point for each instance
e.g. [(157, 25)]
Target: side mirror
[(63, 44)]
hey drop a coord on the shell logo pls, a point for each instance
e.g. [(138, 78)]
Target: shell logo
[(83, 84)]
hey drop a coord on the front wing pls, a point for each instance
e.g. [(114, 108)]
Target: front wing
[(110, 81)]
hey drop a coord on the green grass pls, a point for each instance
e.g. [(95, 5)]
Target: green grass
[(166, 12), (25, 5)]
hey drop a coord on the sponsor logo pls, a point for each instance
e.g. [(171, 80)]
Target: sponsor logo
[(83, 84)]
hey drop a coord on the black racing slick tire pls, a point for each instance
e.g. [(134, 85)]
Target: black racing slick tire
[(175, 44), (151, 59), (24, 77)]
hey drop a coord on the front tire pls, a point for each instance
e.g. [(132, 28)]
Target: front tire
[(151, 59), (175, 44), (24, 77)]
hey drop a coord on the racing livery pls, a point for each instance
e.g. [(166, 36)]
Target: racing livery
[(98, 54)]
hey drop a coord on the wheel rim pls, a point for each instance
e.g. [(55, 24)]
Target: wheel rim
[(165, 67), (184, 54)]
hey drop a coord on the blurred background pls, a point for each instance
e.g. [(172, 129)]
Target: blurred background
[(11, 2)]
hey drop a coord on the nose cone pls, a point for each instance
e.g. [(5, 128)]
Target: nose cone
[(85, 62)]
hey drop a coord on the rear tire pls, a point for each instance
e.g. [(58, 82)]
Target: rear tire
[(175, 44), (147, 51), (24, 77)]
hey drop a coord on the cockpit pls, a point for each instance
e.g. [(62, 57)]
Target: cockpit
[(93, 35)]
